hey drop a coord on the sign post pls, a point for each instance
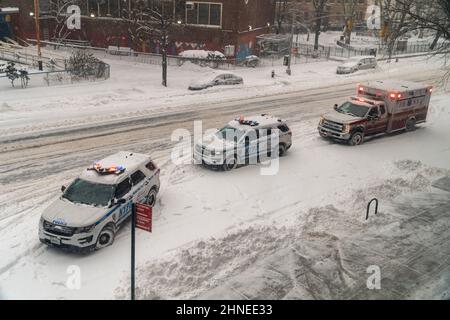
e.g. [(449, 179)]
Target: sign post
[(141, 217)]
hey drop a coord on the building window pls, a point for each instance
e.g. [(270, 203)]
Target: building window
[(204, 13)]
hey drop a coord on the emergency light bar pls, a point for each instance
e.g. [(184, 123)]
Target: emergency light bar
[(363, 100), (108, 170), (251, 123)]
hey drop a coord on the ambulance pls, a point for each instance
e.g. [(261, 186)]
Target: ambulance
[(379, 107), (88, 213)]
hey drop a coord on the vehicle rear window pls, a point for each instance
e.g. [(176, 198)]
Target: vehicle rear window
[(123, 188), (151, 166), (283, 128), (137, 177)]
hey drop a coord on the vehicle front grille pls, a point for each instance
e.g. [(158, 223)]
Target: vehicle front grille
[(203, 150), (335, 126), (58, 230)]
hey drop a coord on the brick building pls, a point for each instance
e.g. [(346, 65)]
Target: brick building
[(230, 26)]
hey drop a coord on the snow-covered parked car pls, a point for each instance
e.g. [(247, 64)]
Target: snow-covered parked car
[(251, 61), (202, 57), (244, 140), (357, 63), (219, 80), (97, 203)]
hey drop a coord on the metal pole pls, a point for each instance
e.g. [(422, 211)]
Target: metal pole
[(288, 70), (38, 33), (133, 251)]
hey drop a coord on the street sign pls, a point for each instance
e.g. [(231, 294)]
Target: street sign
[(144, 217)]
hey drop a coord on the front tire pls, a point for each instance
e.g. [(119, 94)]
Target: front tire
[(281, 150), (106, 237), (410, 125), (356, 139), (230, 164), (151, 197)]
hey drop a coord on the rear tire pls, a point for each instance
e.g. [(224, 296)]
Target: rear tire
[(106, 237), (410, 125), (151, 197), (356, 139), (281, 150)]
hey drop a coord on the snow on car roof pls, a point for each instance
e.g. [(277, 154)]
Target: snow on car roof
[(201, 54), (130, 160), (394, 85), (263, 120)]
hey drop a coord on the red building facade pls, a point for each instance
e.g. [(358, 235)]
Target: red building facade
[(229, 26)]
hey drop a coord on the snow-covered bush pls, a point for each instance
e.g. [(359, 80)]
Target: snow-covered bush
[(84, 65)]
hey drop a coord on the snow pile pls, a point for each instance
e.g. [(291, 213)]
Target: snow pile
[(323, 254)]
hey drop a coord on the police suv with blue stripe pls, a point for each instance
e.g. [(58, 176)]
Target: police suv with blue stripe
[(93, 207)]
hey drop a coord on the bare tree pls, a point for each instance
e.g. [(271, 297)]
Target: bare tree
[(149, 19), (319, 10), (349, 8), (419, 16), (281, 13)]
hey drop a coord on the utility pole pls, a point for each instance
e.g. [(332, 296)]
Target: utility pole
[(133, 251), (38, 33), (288, 69), (164, 59)]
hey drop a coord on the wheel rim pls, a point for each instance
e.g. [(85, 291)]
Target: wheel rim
[(357, 139), (105, 238), (151, 199)]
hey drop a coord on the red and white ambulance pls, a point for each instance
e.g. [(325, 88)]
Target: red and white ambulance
[(382, 106)]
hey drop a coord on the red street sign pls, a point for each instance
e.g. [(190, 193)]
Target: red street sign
[(144, 217)]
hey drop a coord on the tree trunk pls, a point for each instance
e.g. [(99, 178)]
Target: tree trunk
[(164, 67), (435, 40), (317, 33)]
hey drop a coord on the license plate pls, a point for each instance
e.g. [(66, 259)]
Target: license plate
[(55, 241)]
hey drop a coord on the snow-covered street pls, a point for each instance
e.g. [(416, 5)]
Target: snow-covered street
[(299, 234)]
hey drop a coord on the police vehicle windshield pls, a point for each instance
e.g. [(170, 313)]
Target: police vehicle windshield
[(86, 192), (352, 109), (230, 133)]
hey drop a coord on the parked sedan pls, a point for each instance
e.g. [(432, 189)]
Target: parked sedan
[(221, 79), (357, 63)]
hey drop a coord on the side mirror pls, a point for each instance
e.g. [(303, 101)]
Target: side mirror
[(63, 188), (335, 106)]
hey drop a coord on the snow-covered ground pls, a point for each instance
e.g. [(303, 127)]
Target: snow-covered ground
[(330, 38), (135, 90), (298, 234)]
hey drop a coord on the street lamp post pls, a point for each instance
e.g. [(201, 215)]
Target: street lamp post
[(38, 33)]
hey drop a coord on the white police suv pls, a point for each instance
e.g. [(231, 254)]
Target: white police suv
[(92, 208), (243, 141)]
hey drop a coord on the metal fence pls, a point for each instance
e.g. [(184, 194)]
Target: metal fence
[(139, 57), (21, 56), (348, 51), (101, 71)]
